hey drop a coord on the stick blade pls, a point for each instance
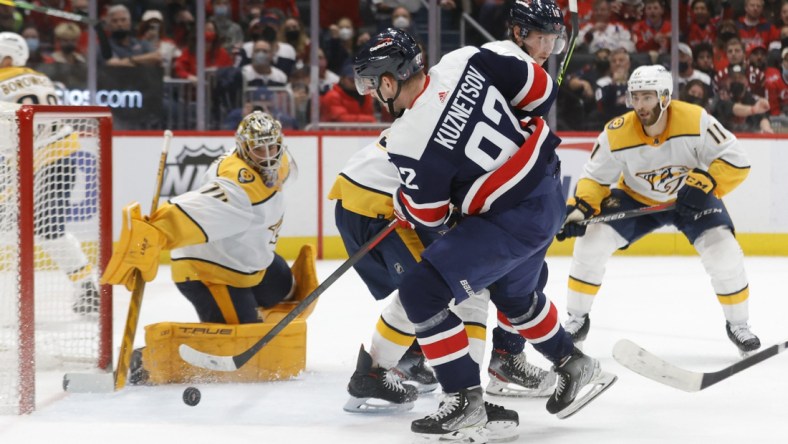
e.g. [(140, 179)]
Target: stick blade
[(644, 363), (88, 383), (206, 361)]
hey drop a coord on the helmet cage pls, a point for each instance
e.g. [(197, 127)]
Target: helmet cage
[(260, 130)]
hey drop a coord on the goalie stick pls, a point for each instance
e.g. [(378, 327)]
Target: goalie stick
[(644, 363), (107, 382), (232, 363)]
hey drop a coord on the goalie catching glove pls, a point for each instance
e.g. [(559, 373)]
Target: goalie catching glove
[(575, 213), (138, 249), (693, 197)]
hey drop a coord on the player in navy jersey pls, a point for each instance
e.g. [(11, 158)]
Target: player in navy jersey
[(469, 136)]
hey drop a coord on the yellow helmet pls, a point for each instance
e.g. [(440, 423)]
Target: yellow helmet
[(260, 130)]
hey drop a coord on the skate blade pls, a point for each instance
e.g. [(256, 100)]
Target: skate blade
[(469, 435), (502, 431), (497, 387), (375, 406), (597, 385)]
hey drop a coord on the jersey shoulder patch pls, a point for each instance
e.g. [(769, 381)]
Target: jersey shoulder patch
[(684, 119), (236, 170), (622, 132)]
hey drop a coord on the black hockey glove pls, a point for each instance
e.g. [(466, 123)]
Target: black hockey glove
[(693, 197), (575, 213)]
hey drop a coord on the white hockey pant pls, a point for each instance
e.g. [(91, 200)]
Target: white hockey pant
[(589, 259), (723, 260)]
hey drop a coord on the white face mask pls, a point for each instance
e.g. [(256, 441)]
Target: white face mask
[(401, 22), (345, 33)]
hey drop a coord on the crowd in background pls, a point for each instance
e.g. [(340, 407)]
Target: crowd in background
[(733, 55)]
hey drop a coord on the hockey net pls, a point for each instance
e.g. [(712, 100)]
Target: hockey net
[(55, 239)]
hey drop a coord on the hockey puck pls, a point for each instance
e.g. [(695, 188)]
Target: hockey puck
[(191, 396)]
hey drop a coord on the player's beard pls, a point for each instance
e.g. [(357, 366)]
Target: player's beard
[(651, 118)]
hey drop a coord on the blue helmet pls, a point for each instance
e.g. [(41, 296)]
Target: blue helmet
[(392, 51), (539, 15)]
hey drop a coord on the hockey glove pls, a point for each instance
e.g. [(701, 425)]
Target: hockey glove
[(575, 213), (693, 197), (138, 248)]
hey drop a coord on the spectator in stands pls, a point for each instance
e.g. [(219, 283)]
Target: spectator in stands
[(577, 99), (695, 92), (652, 34), (283, 52), (383, 10), (755, 76), (326, 77), (151, 30), (402, 19), (67, 36), (37, 54), (737, 109), (686, 71), (626, 12), (783, 19), (725, 32), (703, 27), (756, 56), (600, 32), (10, 19), (261, 72), (183, 25), (293, 33), (299, 85), (492, 15), (231, 32), (753, 28), (703, 58), (286, 8), (612, 93), (776, 85), (340, 47), (215, 55), (126, 49), (343, 103)]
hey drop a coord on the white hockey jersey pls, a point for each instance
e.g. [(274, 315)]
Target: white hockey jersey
[(367, 182), (652, 169), (225, 232), (26, 86)]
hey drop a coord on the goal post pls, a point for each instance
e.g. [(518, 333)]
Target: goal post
[(55, 241)]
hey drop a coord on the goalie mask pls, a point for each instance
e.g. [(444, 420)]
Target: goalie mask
[(539, 15), (14, 46), (259, 142)]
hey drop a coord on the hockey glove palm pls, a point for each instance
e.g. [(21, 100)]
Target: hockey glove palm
[(575, 213), (693, 197), (138, 249)]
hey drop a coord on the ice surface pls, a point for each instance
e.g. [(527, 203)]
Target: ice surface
[(663, 304)]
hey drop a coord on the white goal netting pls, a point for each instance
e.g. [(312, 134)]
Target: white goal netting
[(51, 311)]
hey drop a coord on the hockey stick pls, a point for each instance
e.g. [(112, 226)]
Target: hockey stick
[(571, 48), (106, 382), (232, 363), (106, 50), (644, 363), (627, 214)]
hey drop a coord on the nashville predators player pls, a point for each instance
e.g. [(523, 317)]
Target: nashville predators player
[(662, 151), (222, 236), (55, 170)]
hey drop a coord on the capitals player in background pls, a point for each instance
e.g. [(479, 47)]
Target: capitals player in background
[(56, 172), (662, 151), (457, 143)]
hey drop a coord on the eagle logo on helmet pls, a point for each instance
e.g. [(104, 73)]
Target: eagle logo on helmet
[(388, 41)]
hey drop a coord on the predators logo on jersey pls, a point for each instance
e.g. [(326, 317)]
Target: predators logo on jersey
[(245, 176), (666, 179)]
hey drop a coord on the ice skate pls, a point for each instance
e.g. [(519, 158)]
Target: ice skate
[(137, 373), (513, 375), (88, 298), (574, 374), (743, 338), (375, 390), (413, 370), (501, 423), (577, 327), (462, 417)]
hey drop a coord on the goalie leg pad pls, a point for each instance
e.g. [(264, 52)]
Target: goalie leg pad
[(723, 260), (304, 273)]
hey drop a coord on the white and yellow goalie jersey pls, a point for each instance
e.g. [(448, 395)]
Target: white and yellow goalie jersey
[(652, 169), (226, 231)]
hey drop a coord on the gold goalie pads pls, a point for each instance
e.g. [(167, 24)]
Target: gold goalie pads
[(282, 358)]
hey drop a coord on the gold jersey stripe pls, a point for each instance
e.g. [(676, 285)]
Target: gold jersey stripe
[(196, 269), (734, 298), (583, 287), (221, 295), (411, 241), (361, 200), (727, 176), (391, 334), (476, 331)]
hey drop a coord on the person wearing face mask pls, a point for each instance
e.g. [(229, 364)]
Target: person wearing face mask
[(151, 30), (37, 53), (340, 44), (261, 72), (703, 26), (344, 104), (736, 58), (776, 84), (215, 55), (687, 71), (736, 106), (127, 50), (66, 37), (401, 19), (695, 92), (292, 33), (231, 32)]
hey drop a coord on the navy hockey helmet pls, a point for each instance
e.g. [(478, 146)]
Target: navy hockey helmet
[(539, 15), (392, 51)]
